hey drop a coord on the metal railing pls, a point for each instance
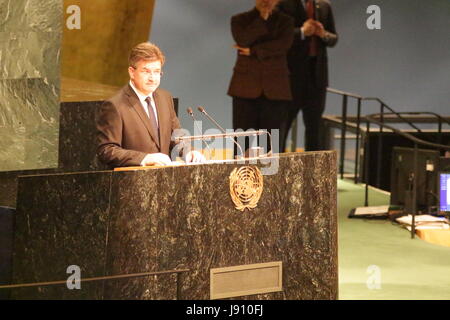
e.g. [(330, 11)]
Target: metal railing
[(383, 106), (382, 116), (345, 96), (372, 119), (122, 276)]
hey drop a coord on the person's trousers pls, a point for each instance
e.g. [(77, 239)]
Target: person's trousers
[(310, 98), (262, 113)]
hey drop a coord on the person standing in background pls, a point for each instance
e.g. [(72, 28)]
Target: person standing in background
[(314, 31), (260, 82)]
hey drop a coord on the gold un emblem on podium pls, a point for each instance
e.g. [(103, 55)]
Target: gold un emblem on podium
[(246, 186)]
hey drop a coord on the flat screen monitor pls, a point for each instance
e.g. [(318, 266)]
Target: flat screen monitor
[(444, 191)]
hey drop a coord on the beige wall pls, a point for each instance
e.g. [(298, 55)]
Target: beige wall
[(98, 52)]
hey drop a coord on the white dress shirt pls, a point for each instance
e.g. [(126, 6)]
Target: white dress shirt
[(144, 103)]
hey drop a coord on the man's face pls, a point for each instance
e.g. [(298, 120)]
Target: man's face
[(146, 76), (266, 5)]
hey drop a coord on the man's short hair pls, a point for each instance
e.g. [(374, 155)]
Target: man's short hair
[(145, 51)]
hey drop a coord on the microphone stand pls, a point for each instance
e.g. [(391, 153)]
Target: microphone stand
[(191, 113), (202, 110)]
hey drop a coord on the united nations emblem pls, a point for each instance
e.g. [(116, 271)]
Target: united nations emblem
[(246, 186)]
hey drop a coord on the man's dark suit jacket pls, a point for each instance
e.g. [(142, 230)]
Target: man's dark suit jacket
[(298, 54), (265, 71), (124, 130)]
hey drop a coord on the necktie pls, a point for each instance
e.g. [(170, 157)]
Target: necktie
[(312, 51), (151, 115)]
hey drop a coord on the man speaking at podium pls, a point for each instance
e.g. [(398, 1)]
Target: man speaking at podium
[(134, 127)]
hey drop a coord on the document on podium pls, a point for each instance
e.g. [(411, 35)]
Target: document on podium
[(182, 163)]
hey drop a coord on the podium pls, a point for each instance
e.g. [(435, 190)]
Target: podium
[(122, 222)]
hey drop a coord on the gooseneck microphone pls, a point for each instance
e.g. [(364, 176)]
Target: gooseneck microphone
[(191, 113), (202, 110)]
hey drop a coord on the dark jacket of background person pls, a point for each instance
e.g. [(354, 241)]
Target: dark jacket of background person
[(297, 56), (265, 71)]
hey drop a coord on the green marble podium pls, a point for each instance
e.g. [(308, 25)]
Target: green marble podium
[(113, 223)]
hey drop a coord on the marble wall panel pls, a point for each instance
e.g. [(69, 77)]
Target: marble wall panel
[(11, 16), (42, 124), (77, 146), (12, 96), (12, 126), (77, 137), (44, 15), (30, 54), (30, 42), (133, 234), (53, 233), (30, 15), (29, 124), (9, 182)]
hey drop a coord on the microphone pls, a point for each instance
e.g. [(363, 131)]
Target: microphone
[(202, 110), (191, 113)]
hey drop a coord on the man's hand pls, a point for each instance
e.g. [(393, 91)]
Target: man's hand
[(242, 51), (319, 29), (156, 159), (195, 157), (309, 27)]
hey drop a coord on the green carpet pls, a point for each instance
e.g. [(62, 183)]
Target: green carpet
[(402, 268)]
